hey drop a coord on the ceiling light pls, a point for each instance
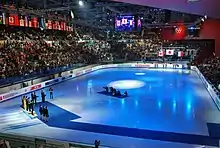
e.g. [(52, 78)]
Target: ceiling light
[(81, 3)]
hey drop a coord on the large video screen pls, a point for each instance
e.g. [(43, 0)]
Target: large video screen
[(124, 23)]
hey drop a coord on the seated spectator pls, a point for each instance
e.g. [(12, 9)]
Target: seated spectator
[(4, 144)]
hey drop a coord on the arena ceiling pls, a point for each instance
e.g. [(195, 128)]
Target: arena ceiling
[(210, 8), (101, 13)]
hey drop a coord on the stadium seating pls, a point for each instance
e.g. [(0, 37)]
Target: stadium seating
[(27, 52), (211, 70)]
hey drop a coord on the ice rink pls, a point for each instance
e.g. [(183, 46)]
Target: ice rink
[(169, 108)]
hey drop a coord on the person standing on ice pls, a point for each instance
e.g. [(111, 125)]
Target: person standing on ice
[(43, 96), (46, 114), (51, 92), (41, 111), (35, 97)]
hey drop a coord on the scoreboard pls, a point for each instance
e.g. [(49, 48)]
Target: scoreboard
[(124, 23), (127, 23)]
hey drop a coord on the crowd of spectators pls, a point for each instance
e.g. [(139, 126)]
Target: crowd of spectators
[(26, 51), (210, 68)]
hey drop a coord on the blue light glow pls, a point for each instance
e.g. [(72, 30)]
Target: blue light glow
[(140, 73), (136, 102), (189, 106), (90, 83), (123, 103), (159, 103), (174, 107)]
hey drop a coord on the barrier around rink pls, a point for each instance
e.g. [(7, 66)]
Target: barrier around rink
[(212, 91), (22, 91)]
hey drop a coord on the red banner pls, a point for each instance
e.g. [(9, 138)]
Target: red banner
[(35, 87), (30, 23), (13, 20), (34, 22), (58, 25), (54, 25)]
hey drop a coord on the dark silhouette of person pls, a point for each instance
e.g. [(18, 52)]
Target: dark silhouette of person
[(46, 114), (51, 92), (111, 90), (97, 143), (23, 100), (35, 97), (106, 89), (31, 107), (118, 93), (126, 93), (41, 111), (43, 96), (114, 92), (28, 104), (32, 96)]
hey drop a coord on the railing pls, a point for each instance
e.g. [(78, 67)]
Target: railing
[(17, 141)]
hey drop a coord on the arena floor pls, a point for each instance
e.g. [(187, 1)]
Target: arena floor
[(172, 107)]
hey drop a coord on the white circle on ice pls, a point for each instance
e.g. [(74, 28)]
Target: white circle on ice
[(126, 84)]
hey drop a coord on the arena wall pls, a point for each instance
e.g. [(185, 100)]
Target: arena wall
[(38, 80), (210, 30)]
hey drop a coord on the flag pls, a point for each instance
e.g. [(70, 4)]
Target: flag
[(180, 53), (58, 26), (30, 23), (11, 20), (42, 23), (64, 25), (49, 24), (34, 22), (169, 52), (26, 21), (72, 14), (160, 53), (3, 18), (21, 21)]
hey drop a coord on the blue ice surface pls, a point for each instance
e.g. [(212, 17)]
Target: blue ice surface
[(170, 104)]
